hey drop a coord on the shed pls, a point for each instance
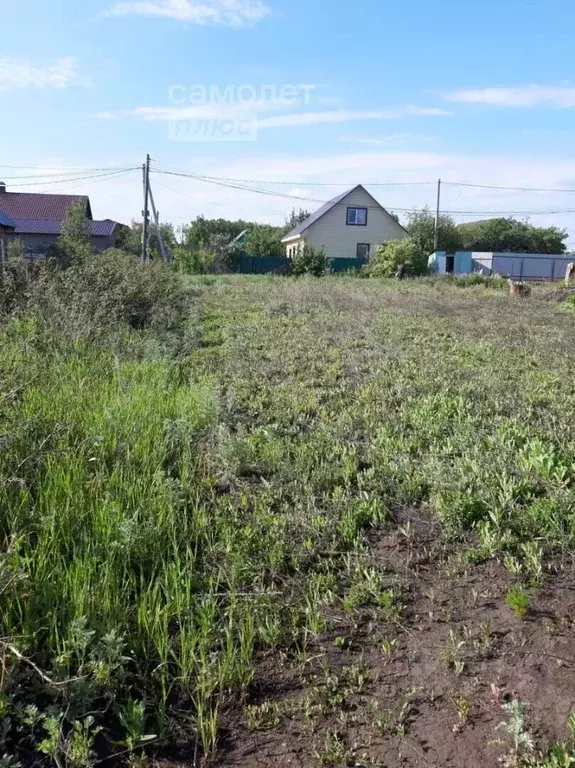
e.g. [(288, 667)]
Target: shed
[(519, 266)]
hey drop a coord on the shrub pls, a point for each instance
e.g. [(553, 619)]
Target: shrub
[(194, 261), (16, 276), (310, 261), (107, 289), (390, 256)]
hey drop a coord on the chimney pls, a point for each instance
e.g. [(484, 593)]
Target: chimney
[(2, 187)]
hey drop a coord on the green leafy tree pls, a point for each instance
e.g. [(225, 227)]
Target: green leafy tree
[(310, 261), (295, 218), (511, 235), (421, 229), (389, 257), (75, 241), (130, 239), (265, 240), (198, 233), (194, 261)]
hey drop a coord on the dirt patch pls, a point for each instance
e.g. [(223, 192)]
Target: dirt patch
[(436, 680)]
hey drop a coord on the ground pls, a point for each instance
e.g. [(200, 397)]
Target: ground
[(451, 408), (269, 521)]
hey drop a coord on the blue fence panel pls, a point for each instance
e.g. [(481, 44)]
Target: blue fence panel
[(343, 265), (279, 265), (262, 265)]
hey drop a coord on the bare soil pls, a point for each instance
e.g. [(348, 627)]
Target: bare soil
[(448, 602)]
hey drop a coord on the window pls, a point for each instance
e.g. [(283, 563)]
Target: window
[(357, 217), (363, 250)]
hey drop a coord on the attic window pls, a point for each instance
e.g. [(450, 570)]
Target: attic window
[(357, 217)]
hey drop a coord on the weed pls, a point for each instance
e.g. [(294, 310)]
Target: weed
[(463, 708), (522, 744), (389, 647), (518, 600), (333, 751), (263, 716), (132, 716), (450, 654)]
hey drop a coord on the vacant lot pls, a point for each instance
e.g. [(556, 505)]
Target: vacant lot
[(333, 525)]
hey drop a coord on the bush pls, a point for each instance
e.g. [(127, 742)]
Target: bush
[(310, 261), (106, 290), (389, 257), (194, 261), (16, 276)]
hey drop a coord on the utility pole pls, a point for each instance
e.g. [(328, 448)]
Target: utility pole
[(146, 211), (157, 222), (437, 212)]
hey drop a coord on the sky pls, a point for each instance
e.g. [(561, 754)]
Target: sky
[(296, 99)]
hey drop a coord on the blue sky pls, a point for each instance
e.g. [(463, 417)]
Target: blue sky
[(398, 93)]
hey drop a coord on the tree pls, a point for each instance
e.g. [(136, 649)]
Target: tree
[(130, 239), (197, 234), (511, 235), (295, 218), (421, 229), (265, 240), (75, 241), (396, 253)]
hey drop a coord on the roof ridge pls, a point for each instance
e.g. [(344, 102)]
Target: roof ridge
[(321, 212)]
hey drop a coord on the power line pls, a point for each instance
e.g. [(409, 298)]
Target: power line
[(63, 175), (376, 183), (187, 196), (61, 168), (269, 193), (92, 181), (510, 189), (65, 181)]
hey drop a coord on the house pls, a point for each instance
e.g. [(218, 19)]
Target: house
[(519, 266), (347, 227), (37, 220)]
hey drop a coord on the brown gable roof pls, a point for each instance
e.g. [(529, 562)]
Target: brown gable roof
[(26, 205)]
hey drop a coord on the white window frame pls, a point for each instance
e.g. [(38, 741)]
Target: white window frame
[(352, 212)]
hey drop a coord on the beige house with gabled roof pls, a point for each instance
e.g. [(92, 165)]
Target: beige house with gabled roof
[(347, 227)]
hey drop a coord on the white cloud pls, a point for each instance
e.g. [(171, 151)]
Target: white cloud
[(20, 73), (252, 108), (522, 96), (388, 139), (211, 109), (347, 116), (229, 13), (105, 116)]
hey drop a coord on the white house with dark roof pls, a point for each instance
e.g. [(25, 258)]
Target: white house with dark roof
[(36, 219), (347, 227)]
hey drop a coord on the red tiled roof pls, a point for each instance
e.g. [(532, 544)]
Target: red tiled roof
[(26, 205)]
